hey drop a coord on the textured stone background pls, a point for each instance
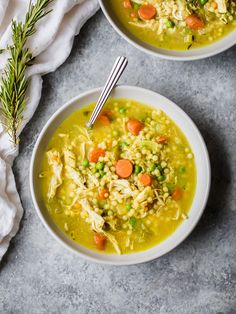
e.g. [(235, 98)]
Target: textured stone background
[(39, 276)]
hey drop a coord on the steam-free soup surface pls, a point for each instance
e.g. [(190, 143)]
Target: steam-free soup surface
[(175, 24), (123, 186)]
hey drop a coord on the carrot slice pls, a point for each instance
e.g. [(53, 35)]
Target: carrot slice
[(194, 22), (95, 154), (127, 4), (100, 241), (103, 119), (134, 126), (145, 179), (124, 168), (177, 194), (103, 194), (163, 139), (147, 12)]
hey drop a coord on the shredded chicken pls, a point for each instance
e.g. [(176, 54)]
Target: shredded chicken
[(54, 161), (97, 223)]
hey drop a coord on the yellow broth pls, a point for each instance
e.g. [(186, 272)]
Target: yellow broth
[(168, 32), (138, 225)]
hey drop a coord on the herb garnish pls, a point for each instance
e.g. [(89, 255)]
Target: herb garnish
[(14, 82)]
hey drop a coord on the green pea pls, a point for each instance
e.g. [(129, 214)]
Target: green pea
[(170, 24), (128, 207), (170, 187), (153, 167), (161, 178), (122, 110), (159, 167), (124, 144), (102, 173), (133, 222), (203, 2), (85, 163), (137, 169), (94, 170), (136, 6), (106, 206), (99, 165), (182, 169)]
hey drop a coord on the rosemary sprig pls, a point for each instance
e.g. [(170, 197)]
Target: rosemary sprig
[(14, 82)]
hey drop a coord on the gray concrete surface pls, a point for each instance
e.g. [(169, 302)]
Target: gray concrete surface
[(37, 275)]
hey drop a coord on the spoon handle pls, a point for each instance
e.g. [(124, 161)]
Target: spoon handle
[(117, 70)]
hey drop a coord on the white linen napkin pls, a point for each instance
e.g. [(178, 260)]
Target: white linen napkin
[(51, 45)]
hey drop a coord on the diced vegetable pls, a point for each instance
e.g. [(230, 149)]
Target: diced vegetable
[(128, 206), (122, 110), (161, 178), (100, 165), (103, 119), (182, 169), (194, 22), (153, 167), (137, 169), (134, 126), (124, 144), (124, 168), (170, 24), (104, 194), (163, 139), (95, 154), (136, 6), (85, 163), (133, 222), (102, 173), (145, 179), (177, 194), (147, 12), (100, 241)]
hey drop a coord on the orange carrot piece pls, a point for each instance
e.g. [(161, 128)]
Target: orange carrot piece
[(145, 179), (194, 22), (124, 168), (103, 194), (95, 154), (134, 126), (103, 119), (163, 139), (147, 12), (127, 4), (100, 241), (177, 194)]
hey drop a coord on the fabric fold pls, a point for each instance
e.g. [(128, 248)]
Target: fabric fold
[(50, 45)]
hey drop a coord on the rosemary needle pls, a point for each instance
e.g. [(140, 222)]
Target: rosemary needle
[(14, 82)]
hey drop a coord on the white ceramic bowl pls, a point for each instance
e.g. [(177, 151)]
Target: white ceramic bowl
[(178, 55), (201, 158)]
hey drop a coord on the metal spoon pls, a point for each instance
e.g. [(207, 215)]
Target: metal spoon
[(118, 68)]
